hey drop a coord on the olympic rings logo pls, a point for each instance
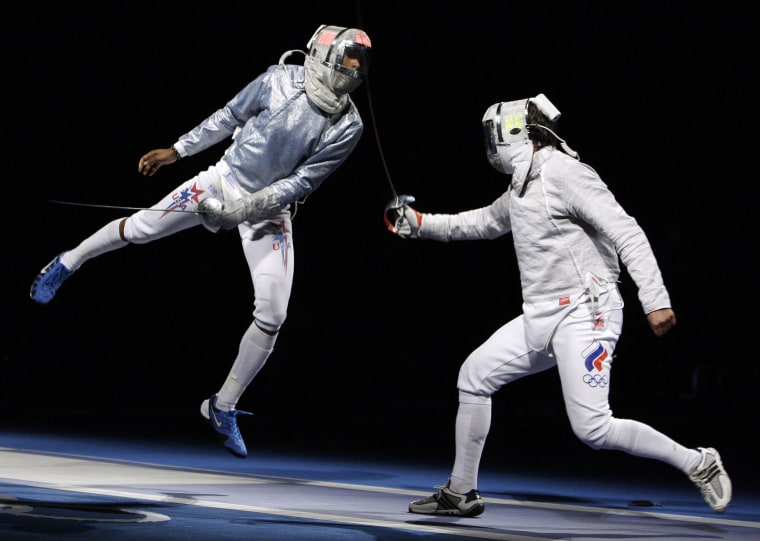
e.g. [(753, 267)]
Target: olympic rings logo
[(595, 380)]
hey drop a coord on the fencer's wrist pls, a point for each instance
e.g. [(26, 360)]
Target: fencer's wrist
[(176, 153), (235, 213), (414, 220)]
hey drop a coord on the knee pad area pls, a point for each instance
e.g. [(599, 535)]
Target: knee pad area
[(271, 302), (472, 382), (592, 431), (469, 398), (267, 328), (137, 231)]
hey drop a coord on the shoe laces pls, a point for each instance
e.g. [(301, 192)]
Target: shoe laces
[(229, 419), (708, 473)]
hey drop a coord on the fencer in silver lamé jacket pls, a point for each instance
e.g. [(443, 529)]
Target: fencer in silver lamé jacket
[(566, 225), (281, 139)]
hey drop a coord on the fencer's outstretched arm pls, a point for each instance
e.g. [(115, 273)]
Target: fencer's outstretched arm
[(488, 222)]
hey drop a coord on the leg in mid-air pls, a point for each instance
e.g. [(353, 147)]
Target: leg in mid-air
[(173, 213), (268, 249), (106, 239)]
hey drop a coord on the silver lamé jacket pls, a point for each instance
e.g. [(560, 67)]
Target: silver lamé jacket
[(280, 138)]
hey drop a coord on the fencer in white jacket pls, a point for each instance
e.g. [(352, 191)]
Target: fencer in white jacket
[(570, 235)]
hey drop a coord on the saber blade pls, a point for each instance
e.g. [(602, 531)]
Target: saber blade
[(119, 207)]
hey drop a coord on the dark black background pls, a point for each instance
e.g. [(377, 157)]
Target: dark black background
[(655, 96)]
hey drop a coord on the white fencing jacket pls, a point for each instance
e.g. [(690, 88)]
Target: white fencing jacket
[(566, 227)]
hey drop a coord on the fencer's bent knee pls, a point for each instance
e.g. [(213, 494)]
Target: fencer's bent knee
[(267, 321), (592, 430), (135, 230), (471, 381), (264, 328), (468, 398), (271, 302), (121, 230)]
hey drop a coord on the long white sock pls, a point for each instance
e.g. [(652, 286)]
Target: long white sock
[(255, 348), (105, 239), (639, 439), (472, 425)]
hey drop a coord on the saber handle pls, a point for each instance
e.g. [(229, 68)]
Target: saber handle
[(393, 208)]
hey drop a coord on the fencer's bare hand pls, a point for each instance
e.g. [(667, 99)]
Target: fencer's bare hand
[(154, 159), (661, 321)]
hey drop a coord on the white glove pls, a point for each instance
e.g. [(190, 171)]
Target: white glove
[(408, 223), (215, 214)]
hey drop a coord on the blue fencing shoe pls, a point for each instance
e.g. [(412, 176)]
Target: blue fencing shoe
[(49, 280), (225, 424)]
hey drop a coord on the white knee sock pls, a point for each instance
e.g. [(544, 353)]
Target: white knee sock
[(472, 425), (255, 348), (104, 240), (639, 439)]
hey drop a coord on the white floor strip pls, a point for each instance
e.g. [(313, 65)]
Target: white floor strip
[(151, 483)]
